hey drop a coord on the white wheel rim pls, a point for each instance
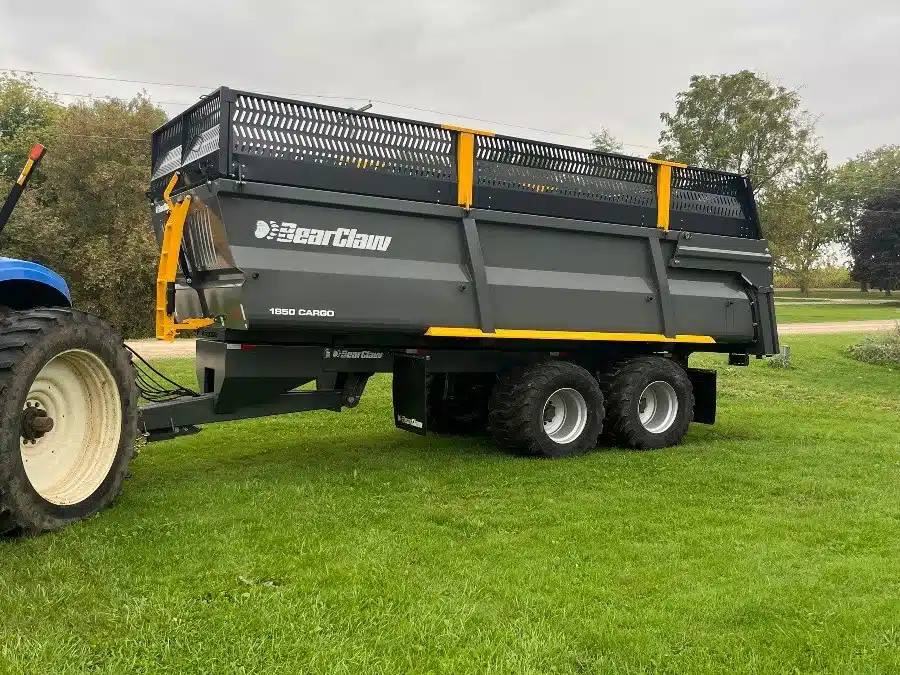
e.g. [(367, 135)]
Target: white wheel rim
[(78, 392), (564, 415), (658, 407)]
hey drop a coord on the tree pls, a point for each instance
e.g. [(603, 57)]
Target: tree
[(604, 141), (28, 115), (801, 220), (875, 244), (870, 175), (90, 220), (739, 122)]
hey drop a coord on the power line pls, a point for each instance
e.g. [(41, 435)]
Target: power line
[(114, 98), (432, 111), (328, 96)]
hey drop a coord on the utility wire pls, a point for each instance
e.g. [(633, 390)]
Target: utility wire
[(323, 96), (309, 95)]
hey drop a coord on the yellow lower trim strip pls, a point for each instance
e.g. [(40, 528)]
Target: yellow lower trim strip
[(439, 331)]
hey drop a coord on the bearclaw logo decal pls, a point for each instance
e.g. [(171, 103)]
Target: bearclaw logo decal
[(262, 229), (289, 233)]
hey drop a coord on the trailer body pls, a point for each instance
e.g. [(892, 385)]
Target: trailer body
[(313, 231)]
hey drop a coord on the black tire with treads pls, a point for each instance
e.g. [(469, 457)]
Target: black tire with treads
[(517, 405), (622, 387), (28, 341)]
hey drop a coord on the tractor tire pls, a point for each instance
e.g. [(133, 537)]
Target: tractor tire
[(68, 418), (460, 409), (649, 402), (552, 409)]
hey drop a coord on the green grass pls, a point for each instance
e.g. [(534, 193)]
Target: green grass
[(837, 312), (768, 543)]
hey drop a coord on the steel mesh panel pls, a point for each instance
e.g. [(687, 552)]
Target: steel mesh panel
[(707, 192), (202, 130), (307, 133), (529, 166), (167, 150), (690, 201)]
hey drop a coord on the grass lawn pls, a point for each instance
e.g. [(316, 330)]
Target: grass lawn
[(833, 313), (768, 543)]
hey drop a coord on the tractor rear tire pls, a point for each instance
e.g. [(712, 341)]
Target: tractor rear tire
[(552, 409), (650, 403), (68, 418)]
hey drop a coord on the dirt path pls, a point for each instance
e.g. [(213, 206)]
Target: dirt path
[(156, 349), (838, 327)]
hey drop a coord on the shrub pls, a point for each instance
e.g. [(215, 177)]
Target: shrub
[(881, 348)]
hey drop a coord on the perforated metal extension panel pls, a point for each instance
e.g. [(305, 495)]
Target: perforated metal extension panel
[(302, 132), (535, 167), (166, 154), (572, 175), (716, 202), (203, 130), (266, 139)]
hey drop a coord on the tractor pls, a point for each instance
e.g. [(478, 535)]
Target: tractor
[(68, 402)]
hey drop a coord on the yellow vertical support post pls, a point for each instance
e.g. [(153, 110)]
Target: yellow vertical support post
[(465, 163), (465, 169), (664, 190), (166, 328)]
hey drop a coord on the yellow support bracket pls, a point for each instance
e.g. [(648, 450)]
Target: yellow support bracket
[(465, 162), (166, 326), (664, 190)]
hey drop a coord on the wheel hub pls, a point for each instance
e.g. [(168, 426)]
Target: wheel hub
[(35, 423), (564, 415), (70, 427), (658, 407)]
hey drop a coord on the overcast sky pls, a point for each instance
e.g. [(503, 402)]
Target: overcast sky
[(567, 66)]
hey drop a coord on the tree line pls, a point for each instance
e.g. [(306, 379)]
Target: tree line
[(87, 217), (85, 214), (809, 208)]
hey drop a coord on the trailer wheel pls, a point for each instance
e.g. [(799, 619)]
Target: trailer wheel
[(650, 403), (68, 418), (550, 409)]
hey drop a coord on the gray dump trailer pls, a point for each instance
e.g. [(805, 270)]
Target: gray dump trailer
[(328, 244), (547, 295)]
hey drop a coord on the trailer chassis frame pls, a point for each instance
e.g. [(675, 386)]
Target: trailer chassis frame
[(246, 381)]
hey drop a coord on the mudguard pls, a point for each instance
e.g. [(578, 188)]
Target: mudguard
[(21, 270)]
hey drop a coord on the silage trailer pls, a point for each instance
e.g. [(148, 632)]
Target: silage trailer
[(550, 296)]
